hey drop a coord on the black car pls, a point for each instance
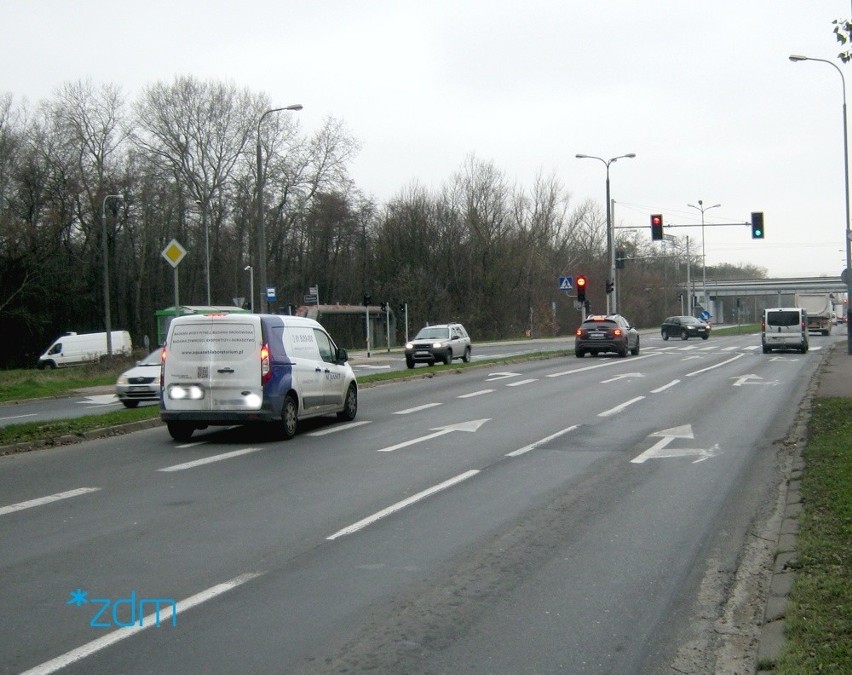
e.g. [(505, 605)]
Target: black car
[(611, 333), (684, 327)]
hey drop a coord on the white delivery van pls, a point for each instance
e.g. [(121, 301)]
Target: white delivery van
[(74, 350), (223, 369), (784, 328)]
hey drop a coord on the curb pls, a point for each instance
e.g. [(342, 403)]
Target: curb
[(71, 439)]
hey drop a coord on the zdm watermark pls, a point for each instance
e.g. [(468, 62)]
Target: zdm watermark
[(126, 612)]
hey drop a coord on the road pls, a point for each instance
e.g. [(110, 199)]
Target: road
[(563, 515), (104, 400)]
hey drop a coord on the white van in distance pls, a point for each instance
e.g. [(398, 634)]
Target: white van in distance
[(784, 328), (224, 369), (74, 350)]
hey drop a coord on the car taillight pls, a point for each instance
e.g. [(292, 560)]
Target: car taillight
[(265, 370), (616, 332), (581, 332)]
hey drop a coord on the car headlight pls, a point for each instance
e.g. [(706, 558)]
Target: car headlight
[(122, 379), (437, 345), (409, 345)]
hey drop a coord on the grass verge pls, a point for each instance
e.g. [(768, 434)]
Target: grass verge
[(819, 612)]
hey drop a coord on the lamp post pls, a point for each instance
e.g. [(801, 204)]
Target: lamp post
[(611, 303), (105, 255), (703, 208), (203, 207), (250, 270), (848, 233), (261, 230)]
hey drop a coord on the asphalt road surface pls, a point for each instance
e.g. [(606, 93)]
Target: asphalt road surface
[(567, 515)]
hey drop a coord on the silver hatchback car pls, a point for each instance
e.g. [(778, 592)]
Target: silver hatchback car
[(142, 382)]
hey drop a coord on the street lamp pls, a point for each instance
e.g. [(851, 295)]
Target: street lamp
[(261, 230), (611, 299), (795, 58), (250, 270), (703, 208), (107, 317), (203, 207)]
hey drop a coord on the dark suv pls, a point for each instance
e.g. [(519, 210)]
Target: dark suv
[(684, 327), (443, 342), (611, 333)]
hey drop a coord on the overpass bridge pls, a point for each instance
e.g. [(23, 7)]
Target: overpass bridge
[(752, 296)]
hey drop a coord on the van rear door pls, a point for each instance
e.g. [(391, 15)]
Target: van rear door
[(220, 354)]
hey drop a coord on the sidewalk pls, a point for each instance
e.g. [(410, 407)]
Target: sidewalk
[(834, 379)]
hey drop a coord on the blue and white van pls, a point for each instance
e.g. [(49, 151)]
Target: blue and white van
[(226, 369)]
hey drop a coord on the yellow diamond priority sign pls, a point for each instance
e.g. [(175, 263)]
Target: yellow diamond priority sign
[(174, 252)]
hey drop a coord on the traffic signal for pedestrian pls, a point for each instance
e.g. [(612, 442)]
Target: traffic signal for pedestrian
[(581, 288), (610, 287), (657, 227), (757, 230)]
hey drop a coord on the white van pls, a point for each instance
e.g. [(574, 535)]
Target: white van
[(74, 350), (223, 369), (784, 328)]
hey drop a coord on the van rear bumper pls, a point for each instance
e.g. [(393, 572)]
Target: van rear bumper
[(218, 417)]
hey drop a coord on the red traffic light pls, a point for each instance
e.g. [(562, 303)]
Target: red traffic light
[(657, 227)]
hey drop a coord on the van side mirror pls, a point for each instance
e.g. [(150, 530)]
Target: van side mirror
[(342, 355)]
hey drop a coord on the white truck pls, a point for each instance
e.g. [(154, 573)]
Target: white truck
[(73, 350), (819, 307)]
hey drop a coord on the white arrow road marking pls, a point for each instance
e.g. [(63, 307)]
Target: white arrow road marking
[(621, 377), (101, 399), (661, 450), (746, 379), (471, 426), (369, 520), (501, 376)]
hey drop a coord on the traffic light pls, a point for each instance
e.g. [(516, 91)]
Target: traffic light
[(581, 288), (609, 287), (657, 227), (619, 260), (383, 306), (367, 299), (757, 230)]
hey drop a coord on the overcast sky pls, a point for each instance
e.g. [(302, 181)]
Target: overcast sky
[(703, 93)]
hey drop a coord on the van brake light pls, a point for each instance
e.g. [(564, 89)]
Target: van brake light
[(162, 366), (265, 370)]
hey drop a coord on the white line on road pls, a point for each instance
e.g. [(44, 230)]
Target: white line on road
[(17, 417), (476, 393), (718, 365), (210, 460), (369, 520), (41, 501), (518, 384), (665, 386), (338, 427), (613, 362), (153, 619), (533, 446), (417, 409), (617, 409)]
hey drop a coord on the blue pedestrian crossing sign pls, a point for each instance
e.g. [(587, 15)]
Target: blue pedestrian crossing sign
[(566, 283)]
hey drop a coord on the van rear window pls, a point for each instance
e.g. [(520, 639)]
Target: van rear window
[(783, 318)]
